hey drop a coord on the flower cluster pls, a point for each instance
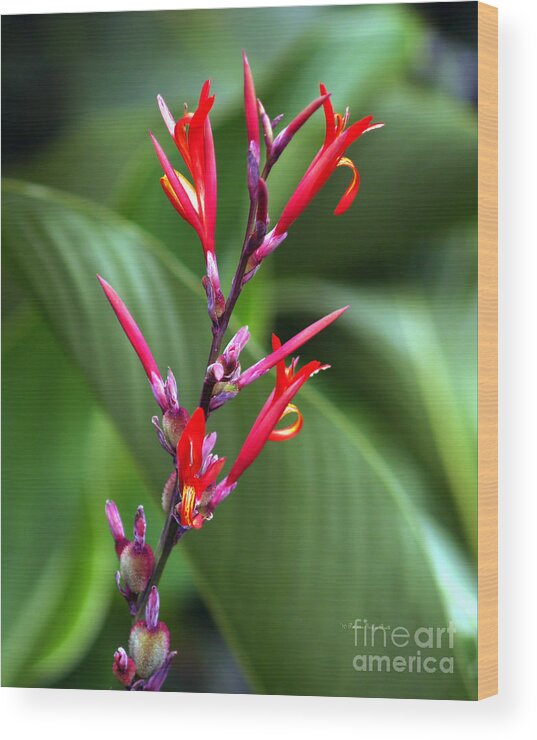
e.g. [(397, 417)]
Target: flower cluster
[(197, 486)]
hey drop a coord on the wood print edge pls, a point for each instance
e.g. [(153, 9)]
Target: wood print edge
[(487, 351)]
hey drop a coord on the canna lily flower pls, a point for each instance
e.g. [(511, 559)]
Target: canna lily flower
[(331, 155), (277, 406), (197, 469), (194, 200)]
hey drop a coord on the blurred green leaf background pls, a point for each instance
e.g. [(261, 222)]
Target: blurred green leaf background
[(371, 512)]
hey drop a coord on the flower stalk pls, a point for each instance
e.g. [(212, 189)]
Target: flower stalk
[(197, 484)]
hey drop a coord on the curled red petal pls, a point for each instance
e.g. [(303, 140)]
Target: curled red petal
[(266, 421), (350, 193), (281, 435)]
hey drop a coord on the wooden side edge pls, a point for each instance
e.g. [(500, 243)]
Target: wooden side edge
[(487, 351)]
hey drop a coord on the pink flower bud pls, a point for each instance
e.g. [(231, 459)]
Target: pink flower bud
[(140, 526), (168, 490), (173, 423), (116, 526), (136, 561), (149, 641), (152, 609), (136, 566), (123, 667), (158, 678)]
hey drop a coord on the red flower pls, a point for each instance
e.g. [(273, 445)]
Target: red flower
[(195, 201), (277, 406), (196, 471), (331, 155)]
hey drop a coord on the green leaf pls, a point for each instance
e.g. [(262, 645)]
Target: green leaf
[(55, 548), (322, 530), (417, 368)]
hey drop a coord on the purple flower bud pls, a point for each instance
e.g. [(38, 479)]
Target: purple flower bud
[(216, 302), (235, 346), (173, 423), (215, 372), (268, 134), (116, 525), (285, 136), (159, 392), (170, 388), (208, 444), (222, 491), (123, 667), (275, 121), (161, 437), (168, 491), (250, 273), (166, 115), (157, 679), (270, 243), (262, 203), (221, 397), (253, 168), (152, 609), (140, 525)]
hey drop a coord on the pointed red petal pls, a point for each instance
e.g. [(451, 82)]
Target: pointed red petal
[(250, 104), (283, 351), (189, 447), (190, 214), (132, 331)]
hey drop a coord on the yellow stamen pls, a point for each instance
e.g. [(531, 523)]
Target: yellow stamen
[(189, 189), (188, 501)]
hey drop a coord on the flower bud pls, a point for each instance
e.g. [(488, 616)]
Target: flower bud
[(268, 133), (158, 678), (168, 490), (253, 168), (136, 566), (136, 561), (161, 436), (116, 526), (222, 392), (173, 423), (149, 641), (123, 667), (170, 388)]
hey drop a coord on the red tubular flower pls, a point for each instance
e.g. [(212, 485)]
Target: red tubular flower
[(277, 406), (195, 201), (330, 156), (138, 342), (196, 474)]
